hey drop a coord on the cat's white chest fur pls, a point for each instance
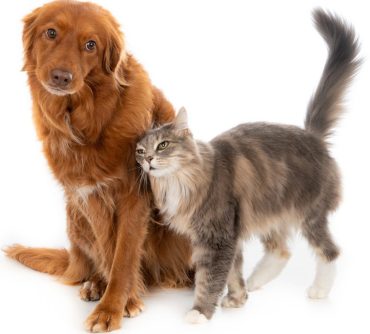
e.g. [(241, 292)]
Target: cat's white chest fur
[(178, 222), (171, 196), (171, 202), (181, 224)]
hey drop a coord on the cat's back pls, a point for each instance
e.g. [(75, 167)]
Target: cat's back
[(272, 165), (273, 140), (262, 131), (274, 170)]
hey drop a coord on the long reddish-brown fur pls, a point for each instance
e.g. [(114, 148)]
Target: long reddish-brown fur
[(89, 138)]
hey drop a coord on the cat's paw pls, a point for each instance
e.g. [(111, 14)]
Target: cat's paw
[(195, 317), (315, 292), (269, 267), (253, 284), (232, 301)]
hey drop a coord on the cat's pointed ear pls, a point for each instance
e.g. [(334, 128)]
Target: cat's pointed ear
[(181, 120)]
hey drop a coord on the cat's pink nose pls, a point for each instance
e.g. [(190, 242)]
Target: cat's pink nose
[(149, 159)]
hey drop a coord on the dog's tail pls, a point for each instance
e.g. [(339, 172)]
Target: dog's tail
[(46, 260), (324, 108)]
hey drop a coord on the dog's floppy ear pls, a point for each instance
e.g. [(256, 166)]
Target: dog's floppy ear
[(29, 34), (113, 50)]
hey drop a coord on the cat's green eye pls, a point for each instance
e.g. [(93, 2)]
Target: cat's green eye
[(161, 146), (140, 151)]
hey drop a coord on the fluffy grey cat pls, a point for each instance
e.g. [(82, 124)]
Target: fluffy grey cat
[(255, 179)]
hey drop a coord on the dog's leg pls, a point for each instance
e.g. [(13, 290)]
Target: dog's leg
[(81, 266), (122, 293)]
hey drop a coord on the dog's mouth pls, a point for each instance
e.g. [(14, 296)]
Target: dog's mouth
[(57, 90)]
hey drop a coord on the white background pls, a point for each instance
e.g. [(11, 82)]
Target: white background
[(228, 62)]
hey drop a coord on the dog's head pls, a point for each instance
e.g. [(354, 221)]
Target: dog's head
[(68, 44)]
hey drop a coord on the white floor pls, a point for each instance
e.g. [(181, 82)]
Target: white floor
[(35, 303)]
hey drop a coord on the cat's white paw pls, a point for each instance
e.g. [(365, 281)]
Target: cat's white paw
[(195, 317), (315, 292), (266, 270), (253, 284), (324, 279)]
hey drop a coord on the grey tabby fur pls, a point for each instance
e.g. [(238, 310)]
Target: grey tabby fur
[(255, 179)]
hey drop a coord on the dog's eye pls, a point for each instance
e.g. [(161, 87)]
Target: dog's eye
[(140, 151), (90, 45), (51, 33), (162, 145)]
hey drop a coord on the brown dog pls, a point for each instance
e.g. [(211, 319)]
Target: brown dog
[(91, 101)]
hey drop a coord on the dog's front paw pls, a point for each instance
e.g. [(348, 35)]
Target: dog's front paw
[(195, 317), (133, 307), (101, 321), (92, 291)]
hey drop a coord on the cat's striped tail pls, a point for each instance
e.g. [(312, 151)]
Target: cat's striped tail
[(324, 108)]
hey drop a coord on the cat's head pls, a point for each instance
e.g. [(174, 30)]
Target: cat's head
[(167, 149)]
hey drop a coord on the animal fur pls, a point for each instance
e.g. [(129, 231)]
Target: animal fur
[(255, 179), (89, 127)]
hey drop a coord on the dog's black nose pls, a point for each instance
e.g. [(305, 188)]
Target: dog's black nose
[(61, 78)]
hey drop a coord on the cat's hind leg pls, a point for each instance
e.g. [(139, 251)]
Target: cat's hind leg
[(317, 233), (276, 257), (237, 292)]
